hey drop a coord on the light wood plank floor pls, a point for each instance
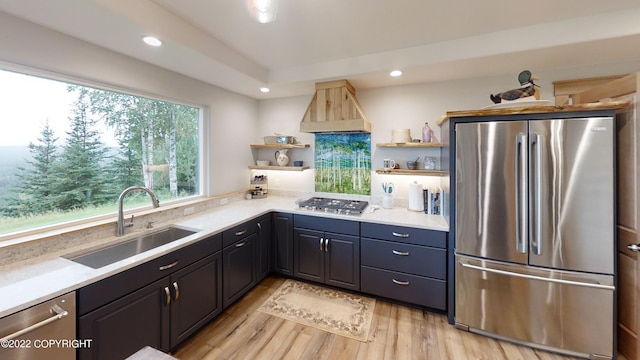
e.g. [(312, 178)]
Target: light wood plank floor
[(397, 332)]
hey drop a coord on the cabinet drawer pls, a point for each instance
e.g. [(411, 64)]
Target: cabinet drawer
[(404, 234), (105, 291), (404, 287), (347, 227), (406, 258), (238, 232)]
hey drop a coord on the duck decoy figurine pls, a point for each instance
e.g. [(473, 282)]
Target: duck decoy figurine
[(527, 89)]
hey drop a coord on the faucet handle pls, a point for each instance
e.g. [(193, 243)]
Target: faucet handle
[(130, 223)]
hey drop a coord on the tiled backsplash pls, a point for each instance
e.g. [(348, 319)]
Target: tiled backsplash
[(57, 243)]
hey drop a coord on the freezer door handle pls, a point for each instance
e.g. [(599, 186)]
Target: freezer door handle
[(535, 221), (521, 193), (540, 278)]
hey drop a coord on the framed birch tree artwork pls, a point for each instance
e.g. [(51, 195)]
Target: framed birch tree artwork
[(343, 163)]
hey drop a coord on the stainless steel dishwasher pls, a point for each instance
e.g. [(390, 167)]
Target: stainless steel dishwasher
[(43, 331)]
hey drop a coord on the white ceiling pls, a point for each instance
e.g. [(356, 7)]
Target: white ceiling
[(361, 40)]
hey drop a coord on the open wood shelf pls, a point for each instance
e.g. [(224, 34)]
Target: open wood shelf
[(276, 167), (411, 145), (412, 172), (279, 146)]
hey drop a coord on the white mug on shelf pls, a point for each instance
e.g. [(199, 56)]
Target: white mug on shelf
[(388, 164)]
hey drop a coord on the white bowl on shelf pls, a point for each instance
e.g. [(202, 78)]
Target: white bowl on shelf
[(400, 136), (263, 162)]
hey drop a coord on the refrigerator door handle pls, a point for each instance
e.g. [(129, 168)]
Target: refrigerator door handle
[(535, 221), (540, 278), (522, 227)]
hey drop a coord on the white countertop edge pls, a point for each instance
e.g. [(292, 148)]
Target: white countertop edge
[(31, 282)]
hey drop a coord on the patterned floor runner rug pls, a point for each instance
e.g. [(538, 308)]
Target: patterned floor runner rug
[(331, 310)]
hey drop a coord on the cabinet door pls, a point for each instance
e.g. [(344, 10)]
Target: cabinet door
[(264, 247), (196, 297), (238, 262), (283, 243), (128, 324), (342, 261), (308, 260)]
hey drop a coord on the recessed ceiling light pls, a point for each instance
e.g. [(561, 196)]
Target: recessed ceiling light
[(396, 73), (152, 41), (263, 11), (265, 89)]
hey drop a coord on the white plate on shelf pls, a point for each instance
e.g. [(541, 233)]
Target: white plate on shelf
[(519, 104)]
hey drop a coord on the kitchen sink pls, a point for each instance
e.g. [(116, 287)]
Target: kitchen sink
[(108, 255)]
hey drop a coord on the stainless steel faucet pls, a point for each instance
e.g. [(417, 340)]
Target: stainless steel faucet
[(121, 223)]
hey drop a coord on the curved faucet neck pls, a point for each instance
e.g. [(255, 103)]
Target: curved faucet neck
[(154, 201)]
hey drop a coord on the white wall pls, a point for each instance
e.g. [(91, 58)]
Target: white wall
[(229, 118), (283, 116), (407, 107)]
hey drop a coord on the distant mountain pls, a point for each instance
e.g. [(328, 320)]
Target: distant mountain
[(11, 158)]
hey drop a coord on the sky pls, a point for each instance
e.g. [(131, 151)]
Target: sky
[(27, 102)]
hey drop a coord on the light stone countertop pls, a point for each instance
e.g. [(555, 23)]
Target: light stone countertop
[(28, 283)]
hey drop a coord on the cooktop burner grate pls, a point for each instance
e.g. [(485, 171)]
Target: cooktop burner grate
[(334, 206)]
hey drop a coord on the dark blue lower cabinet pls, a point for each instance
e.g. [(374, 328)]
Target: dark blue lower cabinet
[(239, 269), (404, 264), (126, 325), (159, 303), (263, 263), (282, 242), (197, 297), (151, 306), (327, 258)]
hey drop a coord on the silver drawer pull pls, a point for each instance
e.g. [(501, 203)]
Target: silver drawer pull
[(401, 253), (57, 314), (400, 235), (165, 267), (398, 282), (239, 245), (241, 232)]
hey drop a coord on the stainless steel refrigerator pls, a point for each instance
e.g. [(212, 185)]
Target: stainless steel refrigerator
[(534, 232)]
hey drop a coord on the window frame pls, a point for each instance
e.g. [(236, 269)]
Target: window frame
[(27, 235)]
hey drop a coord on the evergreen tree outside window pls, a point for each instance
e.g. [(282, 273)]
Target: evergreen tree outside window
[(59, 168)]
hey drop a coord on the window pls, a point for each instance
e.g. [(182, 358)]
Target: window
[(67, 151)]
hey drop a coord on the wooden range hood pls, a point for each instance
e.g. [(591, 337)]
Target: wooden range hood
[(334, 108)]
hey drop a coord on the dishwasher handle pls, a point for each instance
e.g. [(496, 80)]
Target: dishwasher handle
[(58, 313)]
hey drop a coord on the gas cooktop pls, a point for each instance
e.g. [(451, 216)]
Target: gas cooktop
[(333, 206)]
